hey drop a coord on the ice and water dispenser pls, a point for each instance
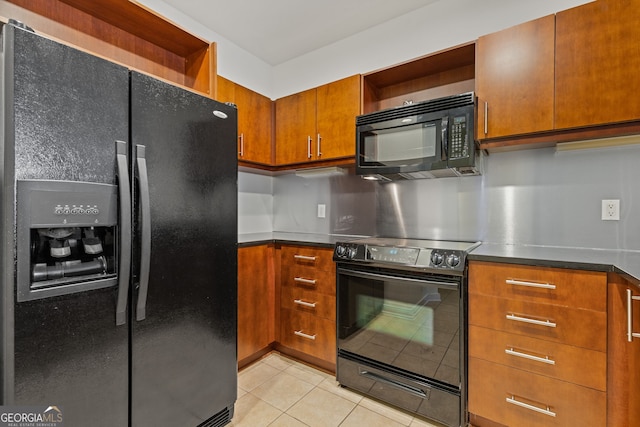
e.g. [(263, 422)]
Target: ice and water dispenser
[(66, 235)]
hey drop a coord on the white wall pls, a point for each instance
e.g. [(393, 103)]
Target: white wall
[(234, 63), (424, 31)]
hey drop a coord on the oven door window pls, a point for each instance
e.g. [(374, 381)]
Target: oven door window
[(400, 146), (406, 323)]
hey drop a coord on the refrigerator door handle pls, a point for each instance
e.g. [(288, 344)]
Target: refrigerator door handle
[(125, 232), (145, 235)]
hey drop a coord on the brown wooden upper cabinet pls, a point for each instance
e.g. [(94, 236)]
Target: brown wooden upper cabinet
[(514, 80), (597, 63), (560, 78), (318, 124), (254, 121)]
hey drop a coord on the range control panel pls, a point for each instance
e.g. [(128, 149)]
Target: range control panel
[(433, 258)]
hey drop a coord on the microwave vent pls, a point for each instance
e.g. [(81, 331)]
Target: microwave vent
[(440, 104)]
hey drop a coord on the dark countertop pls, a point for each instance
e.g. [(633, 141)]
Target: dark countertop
[(626, 263), (313, 239)]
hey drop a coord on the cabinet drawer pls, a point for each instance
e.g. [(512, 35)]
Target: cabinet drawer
[(564, 362), (299, 258), (309, 334), (566, 325), (573, 288), (311, 280), (306, 301), (517, 398)]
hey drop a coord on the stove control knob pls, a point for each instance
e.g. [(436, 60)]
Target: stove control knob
[(437, 258), (341, 251), (453, 260), (351, 253)]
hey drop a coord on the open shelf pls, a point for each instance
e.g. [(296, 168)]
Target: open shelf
[(124, 32), (444, 73)]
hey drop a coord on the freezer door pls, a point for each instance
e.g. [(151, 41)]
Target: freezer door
[(63, 111), (184, 322)]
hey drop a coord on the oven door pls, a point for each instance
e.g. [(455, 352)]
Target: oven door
[(400, 340), (407, 322)]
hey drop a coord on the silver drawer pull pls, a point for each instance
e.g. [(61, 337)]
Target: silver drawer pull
[(305, 281), (630, 298), (303, 335), (546, 411), (545, 359), (530, 284), (547, 323), (304, 303), (304, 257)]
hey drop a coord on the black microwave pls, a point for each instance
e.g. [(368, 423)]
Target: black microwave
[(430, 139)]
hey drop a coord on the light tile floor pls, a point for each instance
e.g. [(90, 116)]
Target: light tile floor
[(279, 392)]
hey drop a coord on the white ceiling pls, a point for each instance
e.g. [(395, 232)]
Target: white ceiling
[(279, 30)]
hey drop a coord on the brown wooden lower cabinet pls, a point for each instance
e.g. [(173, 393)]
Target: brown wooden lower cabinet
[(517, 398), (568, 363), (286, 301), (623, 354), (585, 371), (256, 302), (308, 334)]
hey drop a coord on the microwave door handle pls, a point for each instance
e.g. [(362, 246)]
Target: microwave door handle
[(445, 139)]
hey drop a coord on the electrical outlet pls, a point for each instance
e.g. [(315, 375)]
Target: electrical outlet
[(611, 210), (322, 210)]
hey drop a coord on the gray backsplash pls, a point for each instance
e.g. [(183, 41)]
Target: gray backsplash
[(533, 197)]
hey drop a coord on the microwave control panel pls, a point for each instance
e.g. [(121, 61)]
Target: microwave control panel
[(458, 147)]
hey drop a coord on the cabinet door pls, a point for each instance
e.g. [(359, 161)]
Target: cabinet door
[(256, 300), (254, 126), (254, 121), (597, 62), (295, 127), (338, 105), (623, 356), (514, 80)]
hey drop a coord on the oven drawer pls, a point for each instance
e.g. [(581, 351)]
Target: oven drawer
[(309, 334), (306, 301), (410, 394), (301, 258), (564, 287), (311, 280), (517, 398), (568, 363), (581, 328)]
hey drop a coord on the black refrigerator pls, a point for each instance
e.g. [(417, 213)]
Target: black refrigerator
[(119, 237)]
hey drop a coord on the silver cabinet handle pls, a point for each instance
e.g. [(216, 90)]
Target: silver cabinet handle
[(630, 298), (125, 232), (547, 323), (546, 411), (512, 352), (530, 284), (319, 148), (304, 303), (305, 281), (145, 234), (241, 139), (303, 335), (486, 118), (304, 257), (309, 147)]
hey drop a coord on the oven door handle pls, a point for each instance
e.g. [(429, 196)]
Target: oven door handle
[(378, 276)]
